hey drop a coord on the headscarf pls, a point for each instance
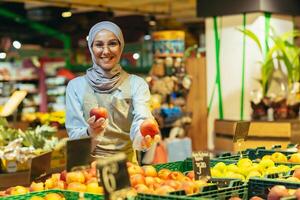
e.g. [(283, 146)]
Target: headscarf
[(100, 80)]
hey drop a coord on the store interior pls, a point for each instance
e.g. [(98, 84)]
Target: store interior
[(224, 83)]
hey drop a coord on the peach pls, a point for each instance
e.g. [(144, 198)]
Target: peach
[(149, 170), (35, 187), (76, 176), (77, 187), (137, 179), (135, 169), (94, 188), (164, 173), (53, 196)]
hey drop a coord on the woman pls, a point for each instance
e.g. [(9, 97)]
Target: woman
[(107, 85)]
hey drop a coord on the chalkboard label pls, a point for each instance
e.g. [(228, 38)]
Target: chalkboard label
[(113, 176), (78, 153), (40, 166), (201, 165), (241, 131)]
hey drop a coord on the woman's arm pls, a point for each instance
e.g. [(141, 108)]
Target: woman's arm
[(141, 110), (75, 124)]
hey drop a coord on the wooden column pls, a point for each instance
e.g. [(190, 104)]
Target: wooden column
[(196, 102)]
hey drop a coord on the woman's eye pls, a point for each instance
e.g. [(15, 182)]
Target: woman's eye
[(113, 44)]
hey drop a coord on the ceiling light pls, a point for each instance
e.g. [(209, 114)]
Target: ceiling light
[(147, 37), (152, 23), (17, 44), (136, 56), (87, 38), (2, 55), (66, 14)]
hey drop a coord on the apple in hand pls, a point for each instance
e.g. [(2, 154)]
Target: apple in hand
[(99, 112), (149, 127)]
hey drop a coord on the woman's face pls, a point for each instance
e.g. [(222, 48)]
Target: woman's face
[(106, 49)]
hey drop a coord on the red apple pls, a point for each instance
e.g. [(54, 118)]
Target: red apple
[(99, 112), (191, 175), (256, 198), (277, 192), (149, 127), (63, 175)]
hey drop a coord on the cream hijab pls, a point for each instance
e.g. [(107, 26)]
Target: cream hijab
[(100, 80)]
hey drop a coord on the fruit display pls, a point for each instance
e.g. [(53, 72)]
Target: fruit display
[(18, 147), (56, 118), (77, 181)]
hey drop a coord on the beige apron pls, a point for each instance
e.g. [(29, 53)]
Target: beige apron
[(117, 134)]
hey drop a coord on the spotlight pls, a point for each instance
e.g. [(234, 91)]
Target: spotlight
[(66, 14), (2, 55), (17, 44), (136, 56)]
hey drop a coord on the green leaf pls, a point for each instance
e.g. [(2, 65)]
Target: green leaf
[(252, 35)]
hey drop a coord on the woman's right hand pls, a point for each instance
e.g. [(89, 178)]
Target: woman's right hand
[(96, 127)]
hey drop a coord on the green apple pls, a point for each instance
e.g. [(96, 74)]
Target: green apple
[(293, 179), (232, 168), (216, 173), (253, 174), (266, 163), (244, 163), (278, 157), (221, 167), (283, 168)]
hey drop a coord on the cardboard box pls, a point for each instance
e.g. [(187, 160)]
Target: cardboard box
[(261, 133)]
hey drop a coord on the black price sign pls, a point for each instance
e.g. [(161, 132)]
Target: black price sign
[(113, 176), (40, 166), (241, 131), (201, 165), (78, 153)]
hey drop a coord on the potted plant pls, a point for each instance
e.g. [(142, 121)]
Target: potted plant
[(279, 88)]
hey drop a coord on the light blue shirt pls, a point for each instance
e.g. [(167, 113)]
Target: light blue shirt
[(77, 126)]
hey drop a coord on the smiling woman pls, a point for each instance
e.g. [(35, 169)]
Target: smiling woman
[(107, 85), (106, 49)]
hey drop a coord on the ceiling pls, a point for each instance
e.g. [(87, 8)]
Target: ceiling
[(132, 16)]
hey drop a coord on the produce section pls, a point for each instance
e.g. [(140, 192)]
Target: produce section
[(211, 111)]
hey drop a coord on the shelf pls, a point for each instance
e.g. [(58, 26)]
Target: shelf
[(20, 80)]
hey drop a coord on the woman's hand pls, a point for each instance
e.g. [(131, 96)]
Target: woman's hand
[(96, 127), (148, 141)]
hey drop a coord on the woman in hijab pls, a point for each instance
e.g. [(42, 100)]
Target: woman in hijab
[(107, 85)]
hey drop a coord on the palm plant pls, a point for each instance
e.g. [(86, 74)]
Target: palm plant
[(283, 50)]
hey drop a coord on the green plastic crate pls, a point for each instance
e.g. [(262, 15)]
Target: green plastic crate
[(261, 186), (69, 195), (182, 166), (234, 188)]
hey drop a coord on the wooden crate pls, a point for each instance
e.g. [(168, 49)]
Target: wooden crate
[(261, 133)]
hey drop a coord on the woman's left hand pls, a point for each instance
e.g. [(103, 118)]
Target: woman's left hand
[(148, 141)]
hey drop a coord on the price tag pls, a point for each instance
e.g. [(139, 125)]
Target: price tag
[(201, 165), (40, 166), (78, 153), (113, 176), (13, 102), (241, 131)]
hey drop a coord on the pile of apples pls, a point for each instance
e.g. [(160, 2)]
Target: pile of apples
[(279, 157), (245, 169), (78, 181), (279, 191), (49, 196), (148, 180)]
